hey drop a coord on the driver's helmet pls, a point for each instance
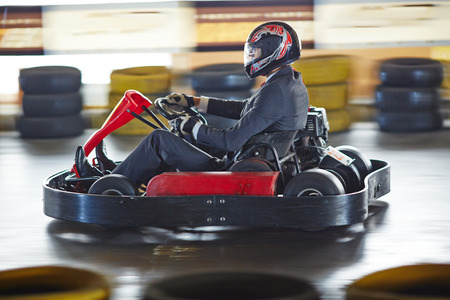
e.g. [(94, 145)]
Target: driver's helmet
[(270, 45)]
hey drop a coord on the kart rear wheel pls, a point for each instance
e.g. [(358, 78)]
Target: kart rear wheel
[(362, 163), (113, 185), (350, 174), (252, 165), (314, 182)]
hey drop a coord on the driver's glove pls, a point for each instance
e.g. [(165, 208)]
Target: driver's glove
[(180, 99), (183, 125)]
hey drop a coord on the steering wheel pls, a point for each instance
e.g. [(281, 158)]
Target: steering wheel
[(171, 111)]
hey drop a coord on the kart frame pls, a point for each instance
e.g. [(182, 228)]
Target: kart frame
[(216, 210), (206, 210)]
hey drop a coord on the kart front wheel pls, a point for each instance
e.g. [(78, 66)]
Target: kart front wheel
[(314, 182), (113, 185)]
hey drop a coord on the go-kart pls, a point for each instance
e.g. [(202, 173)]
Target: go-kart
[(286, 179)]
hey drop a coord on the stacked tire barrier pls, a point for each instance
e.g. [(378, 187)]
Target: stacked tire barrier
[(227, 81), (152, 81), (408, 97), (445, 89), (326, 79), (51, 102), (442, 54)]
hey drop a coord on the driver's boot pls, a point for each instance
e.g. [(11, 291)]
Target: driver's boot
[(103, 161), (83, 167)]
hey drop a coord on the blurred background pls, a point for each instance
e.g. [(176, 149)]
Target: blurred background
[(98, 37), (99, 49)]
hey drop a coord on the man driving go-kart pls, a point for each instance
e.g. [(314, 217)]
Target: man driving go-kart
[(272, 168), (280, 104)]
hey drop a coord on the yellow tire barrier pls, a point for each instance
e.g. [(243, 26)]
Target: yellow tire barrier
[(339, 120), (440, 53), (323, 69), (51, 283), (328, 96), (443, 55), (147, 80), (445, 93), (446, 81), (134, 127), (419, 282)]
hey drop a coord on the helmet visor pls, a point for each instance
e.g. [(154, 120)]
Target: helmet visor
[(252, 52)]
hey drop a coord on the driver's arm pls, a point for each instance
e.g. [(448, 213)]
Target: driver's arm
[(227, 108)]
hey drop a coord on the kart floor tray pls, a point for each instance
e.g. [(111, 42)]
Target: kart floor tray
[(215, 210)]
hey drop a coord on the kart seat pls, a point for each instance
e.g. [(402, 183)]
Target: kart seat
[(269, 146)]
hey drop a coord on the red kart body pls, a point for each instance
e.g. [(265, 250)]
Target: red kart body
[(213, 183)]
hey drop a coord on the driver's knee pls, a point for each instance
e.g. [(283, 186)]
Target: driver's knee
[(159, 134), (161, 138)]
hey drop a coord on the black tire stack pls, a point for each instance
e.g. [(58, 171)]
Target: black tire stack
[(51, 102), (326, 79), (408, 98), (227, 81)]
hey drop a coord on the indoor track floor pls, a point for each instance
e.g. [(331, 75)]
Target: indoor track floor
[(412, 227)]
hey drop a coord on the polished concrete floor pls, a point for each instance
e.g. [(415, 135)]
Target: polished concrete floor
[(409, 226)]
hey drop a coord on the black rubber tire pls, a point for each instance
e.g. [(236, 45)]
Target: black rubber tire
[(221, 77), (411, 72), (350, 174), (252, 165), (50, 80), (52, 105), (48, 128), (115, 185), (314, 182), (230, 285), (340, 174), (410, 121), (406, 99), (362, 163)]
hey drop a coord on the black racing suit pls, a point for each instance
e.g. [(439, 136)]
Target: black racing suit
[(280, 104)]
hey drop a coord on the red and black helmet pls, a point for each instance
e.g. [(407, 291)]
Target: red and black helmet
[(270, 45)]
